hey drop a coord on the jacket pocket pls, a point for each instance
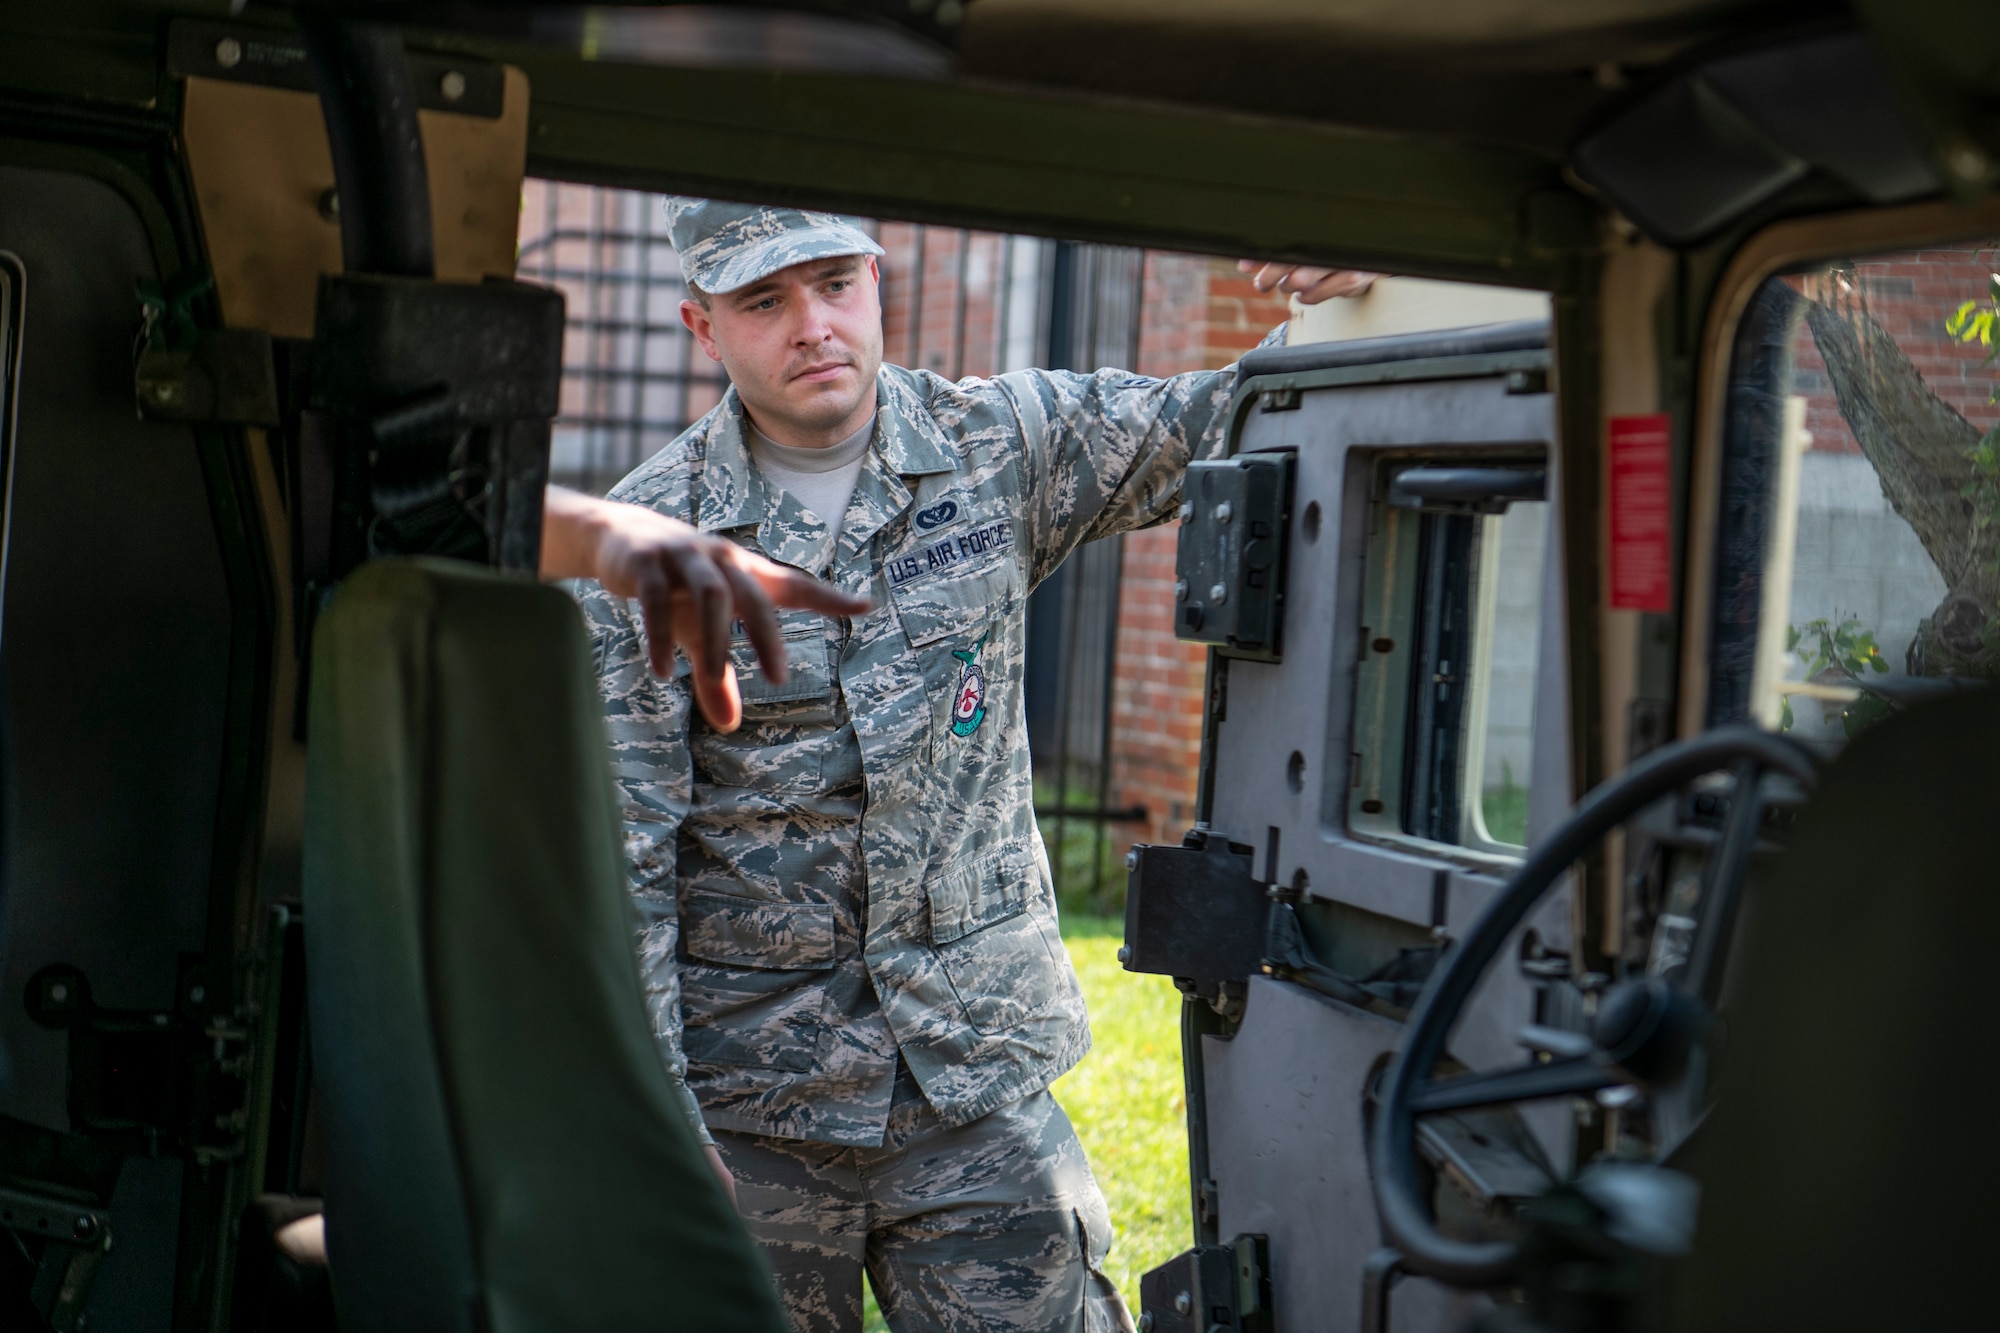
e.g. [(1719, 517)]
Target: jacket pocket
[(993, 942), (807, 694), (739, 932), (780, 750), (952, 604), (990, 889)]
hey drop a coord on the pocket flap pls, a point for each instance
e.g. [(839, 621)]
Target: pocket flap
[(976, 895), (806, 654), (738, 932), (953, 603)]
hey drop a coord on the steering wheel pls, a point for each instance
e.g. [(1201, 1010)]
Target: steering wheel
[(1645, 1029)]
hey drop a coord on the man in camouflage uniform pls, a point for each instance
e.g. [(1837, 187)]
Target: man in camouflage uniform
[(847, 924)]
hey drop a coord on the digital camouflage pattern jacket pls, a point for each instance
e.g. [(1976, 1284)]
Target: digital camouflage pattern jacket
[(856, 870)]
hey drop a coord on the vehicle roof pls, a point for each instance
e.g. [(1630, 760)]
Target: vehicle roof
[(1433, 138)]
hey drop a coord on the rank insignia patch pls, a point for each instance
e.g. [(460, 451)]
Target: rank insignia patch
[(968, 709)]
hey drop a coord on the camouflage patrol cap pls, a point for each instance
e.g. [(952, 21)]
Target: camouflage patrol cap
[(725, 246)]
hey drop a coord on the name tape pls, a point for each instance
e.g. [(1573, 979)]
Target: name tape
[(951, 551)]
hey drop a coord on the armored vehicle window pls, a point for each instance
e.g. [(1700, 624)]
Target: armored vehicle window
[(1861, 493), (1446, 682)]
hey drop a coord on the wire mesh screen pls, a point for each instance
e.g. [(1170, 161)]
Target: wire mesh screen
[(1095, 303), (633, 377)]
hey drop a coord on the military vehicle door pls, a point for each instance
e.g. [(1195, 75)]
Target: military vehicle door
[(1386, 732)]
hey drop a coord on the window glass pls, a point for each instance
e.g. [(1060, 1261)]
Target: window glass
[(1510, 639), (1861, 493), (1446, 685)]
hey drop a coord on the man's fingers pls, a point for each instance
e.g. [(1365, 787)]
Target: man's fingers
[(760, 622), (707, 639), (1302, 279), (1267, 276), (1337, 283), (656, 611), (1308, 282), (788, 587), (719, 697)]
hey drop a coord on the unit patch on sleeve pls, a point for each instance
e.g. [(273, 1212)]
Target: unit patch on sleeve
[(968, 706), (953, 550)]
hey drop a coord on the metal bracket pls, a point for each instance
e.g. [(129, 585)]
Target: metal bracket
[(1378, 1284), (1210, 1289), (225, 377), (1194, 913), (274, 58), (64, 1241), (54, 1219), (174, 1078), (1391, 989), (1230, 566)]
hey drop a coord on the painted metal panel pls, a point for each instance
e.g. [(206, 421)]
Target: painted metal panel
[(1285, 1095)]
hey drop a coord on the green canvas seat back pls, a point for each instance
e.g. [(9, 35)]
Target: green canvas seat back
[(504, 1151), (1849, 1177)]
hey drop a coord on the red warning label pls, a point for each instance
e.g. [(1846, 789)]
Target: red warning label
[(1641, 535)]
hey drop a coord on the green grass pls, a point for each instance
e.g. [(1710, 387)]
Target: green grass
[(1126, 1102), (1506, 810)]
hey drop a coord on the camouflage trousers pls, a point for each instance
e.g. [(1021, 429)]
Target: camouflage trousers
[(992, 1227)]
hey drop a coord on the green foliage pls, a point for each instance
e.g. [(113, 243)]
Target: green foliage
[(1972, 323), (1127, 1104), (1969, 323), (1848, 646)]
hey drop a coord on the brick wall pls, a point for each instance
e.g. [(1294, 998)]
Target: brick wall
[(1910, 295), (953, 339), (1200, 313)]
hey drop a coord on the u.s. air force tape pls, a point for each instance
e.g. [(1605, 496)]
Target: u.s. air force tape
[(953, 550)]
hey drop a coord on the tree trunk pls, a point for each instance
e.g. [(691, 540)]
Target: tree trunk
[(1918, 445)]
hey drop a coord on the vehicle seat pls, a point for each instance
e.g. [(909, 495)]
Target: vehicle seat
[(1850, 1179), (504, 1151)]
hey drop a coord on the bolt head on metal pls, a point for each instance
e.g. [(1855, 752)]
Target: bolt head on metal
[(1132, 859), (1147, 1321), (452, 85), (1183, 1302), (1223, 512), (1180, 590), (1219, 593), (229, 53), (1124, 953), (1187, 510)]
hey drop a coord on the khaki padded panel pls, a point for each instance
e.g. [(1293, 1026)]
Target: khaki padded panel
[(502, 1131), (260, 163)]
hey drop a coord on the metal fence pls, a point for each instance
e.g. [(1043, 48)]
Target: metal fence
[(633, 377), (954, 301)]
